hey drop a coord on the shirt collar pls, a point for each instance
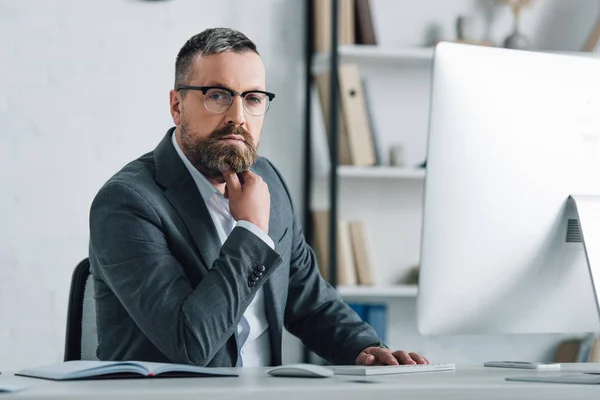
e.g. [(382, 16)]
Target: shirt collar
[(207, 190)]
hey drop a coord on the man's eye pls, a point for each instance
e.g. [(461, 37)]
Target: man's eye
[(216, 96), (254, 99)]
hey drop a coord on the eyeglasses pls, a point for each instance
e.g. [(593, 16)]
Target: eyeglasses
[(218, 99)]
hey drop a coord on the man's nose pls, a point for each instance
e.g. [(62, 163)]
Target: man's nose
[(235, 114)]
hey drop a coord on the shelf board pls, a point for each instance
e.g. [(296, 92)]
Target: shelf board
[(348, 171), (410, 57), (377, 291)]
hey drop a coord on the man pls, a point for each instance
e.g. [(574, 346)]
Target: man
[(196, 252)]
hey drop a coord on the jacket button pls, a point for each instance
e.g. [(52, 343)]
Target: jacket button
[(254, 278), (261, 268), (251, 283), (258, 273)]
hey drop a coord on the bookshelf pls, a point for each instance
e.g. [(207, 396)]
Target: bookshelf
[(389, 198), (332, 184), (374, 55)]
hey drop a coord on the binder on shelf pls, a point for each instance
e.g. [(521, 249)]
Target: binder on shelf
[(322, 23), (594, 355), (362, 259), (374, 315), (359, 309), (322, 83), (346, 270), (370, 118), (365, 28), (360, 142), (567, 351), (346, 267)]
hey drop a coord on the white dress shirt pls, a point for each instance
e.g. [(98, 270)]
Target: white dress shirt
[(254, 344)]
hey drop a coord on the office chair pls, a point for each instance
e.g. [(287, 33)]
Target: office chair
[(81, 337)]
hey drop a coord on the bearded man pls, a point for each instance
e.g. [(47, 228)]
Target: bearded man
[(196, 252)]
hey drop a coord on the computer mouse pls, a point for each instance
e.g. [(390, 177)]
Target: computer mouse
[(301, 371)]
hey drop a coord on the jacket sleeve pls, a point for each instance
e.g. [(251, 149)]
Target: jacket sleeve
[(315, 312), (131, 255)]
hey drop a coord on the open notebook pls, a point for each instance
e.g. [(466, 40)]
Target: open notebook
[(70, 370)]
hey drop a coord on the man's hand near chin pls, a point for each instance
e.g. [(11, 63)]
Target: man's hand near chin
[(383, 356)]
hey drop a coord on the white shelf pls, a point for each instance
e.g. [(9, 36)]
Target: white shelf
[(347, 171), (409, 57), (377, 291)]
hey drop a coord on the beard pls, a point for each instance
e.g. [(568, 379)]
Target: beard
[(210, 155)]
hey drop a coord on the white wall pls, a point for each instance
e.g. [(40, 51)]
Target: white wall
[(83, 90)]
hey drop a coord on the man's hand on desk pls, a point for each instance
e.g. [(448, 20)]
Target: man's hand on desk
[(383, 356)]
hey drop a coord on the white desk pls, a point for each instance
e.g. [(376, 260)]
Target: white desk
[(253, 383)]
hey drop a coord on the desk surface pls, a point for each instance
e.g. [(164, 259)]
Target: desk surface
[(253, 383)]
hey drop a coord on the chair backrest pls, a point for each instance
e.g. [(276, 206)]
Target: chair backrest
[(81, 338)]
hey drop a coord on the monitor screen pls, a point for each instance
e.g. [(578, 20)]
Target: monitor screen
[(512, 135)]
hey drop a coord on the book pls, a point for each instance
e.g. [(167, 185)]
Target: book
[(567, 351), (321, 240), (370, 118), (362, 259), (594, 356), (359, 309), (376, 316), (73, 370), (322, 23), (358, 130), (322, 80), (365, 29), (346, 271)]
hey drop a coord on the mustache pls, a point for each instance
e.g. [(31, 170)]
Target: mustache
[(232, 130)]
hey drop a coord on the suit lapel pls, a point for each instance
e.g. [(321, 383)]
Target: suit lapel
[(181, 191)]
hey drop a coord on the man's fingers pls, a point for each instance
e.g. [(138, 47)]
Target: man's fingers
[(364, 358), (384, 356), (403, 357), (232, 182), (418, 359), (247, 176)]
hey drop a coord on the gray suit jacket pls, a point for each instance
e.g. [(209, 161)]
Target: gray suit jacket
[(167, 291)]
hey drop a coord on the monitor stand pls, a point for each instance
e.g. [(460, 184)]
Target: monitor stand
[(587, 208)]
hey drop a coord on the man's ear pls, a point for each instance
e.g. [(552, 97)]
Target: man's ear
[(175, 106)]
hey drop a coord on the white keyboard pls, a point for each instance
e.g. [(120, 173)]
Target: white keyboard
[(388, 369)]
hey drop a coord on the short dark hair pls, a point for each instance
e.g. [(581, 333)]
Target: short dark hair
[(208, 42)]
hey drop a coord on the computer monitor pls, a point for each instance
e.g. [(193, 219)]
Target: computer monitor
[(512, 135)]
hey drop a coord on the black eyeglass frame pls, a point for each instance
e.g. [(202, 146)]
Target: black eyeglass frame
[(233, 93)]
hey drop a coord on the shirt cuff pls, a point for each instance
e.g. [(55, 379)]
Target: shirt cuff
[(257, 231)]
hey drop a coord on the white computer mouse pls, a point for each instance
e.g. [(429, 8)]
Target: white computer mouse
[(301, 370)]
